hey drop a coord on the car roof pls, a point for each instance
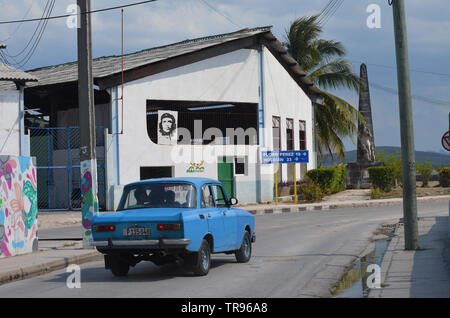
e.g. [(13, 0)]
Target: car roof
[(196, 181)]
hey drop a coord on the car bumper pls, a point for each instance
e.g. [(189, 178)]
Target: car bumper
[(161, 243)]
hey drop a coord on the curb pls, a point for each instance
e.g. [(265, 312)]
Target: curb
[(44, 268), (282, 209), (387, 261)]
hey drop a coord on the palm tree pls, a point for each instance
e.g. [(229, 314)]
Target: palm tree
[(323, 62)]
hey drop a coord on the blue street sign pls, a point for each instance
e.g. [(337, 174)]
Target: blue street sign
[(289, 156)]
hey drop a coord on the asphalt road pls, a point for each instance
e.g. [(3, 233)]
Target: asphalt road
[(295, 255)]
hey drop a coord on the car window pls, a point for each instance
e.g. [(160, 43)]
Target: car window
[(207, 197), (158, 195), (220, 197)]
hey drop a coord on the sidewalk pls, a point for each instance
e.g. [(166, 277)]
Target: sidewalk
[(56, 255), (417, 274)]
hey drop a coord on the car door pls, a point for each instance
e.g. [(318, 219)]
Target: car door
[(228, 217), (215, 220)]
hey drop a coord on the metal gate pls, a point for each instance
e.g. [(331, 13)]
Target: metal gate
[(57, 152)]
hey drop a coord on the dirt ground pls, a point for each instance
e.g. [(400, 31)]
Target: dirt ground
[(433, 189)]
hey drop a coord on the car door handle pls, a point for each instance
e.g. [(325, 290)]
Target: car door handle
[(224, 213), (202, 216), (209, 215)]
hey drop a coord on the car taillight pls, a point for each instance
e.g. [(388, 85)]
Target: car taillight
[(169, 227), (104, 228)]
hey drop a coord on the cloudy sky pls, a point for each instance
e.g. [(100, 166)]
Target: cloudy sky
[(167, 21)]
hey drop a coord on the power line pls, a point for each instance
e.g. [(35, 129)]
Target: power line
[(220, 13), (86, 12), (20, 24), (331, 12), (394, 68), (35, 38), (416, 97)]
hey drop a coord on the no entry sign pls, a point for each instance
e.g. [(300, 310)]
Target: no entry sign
[(446, 141)]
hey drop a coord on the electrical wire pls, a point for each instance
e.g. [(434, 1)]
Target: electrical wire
[(330, 13), (20, 24), (220, 13), (325, 11), (412, 70), (35, 32), (35, 39), (87, 12), (415, 97)]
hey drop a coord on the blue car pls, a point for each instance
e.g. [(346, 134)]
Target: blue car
[(173, 220)]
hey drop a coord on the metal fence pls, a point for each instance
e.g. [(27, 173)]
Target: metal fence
[(57, 152)]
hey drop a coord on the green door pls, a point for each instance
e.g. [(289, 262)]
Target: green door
[(226, 176)]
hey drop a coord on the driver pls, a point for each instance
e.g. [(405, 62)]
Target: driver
[(141, 196)]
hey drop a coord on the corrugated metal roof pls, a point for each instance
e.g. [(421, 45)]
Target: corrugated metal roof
[(106, 66), (8, 73)]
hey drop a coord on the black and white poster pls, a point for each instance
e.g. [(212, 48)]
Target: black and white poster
[(167, 127)]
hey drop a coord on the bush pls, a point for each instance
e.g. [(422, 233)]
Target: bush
[(444, 177), (382, 178), (311, 192), (394, 161), (375, 194), (425, 169), (330, 180)]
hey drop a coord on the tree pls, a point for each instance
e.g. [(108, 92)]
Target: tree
[(322, 60)]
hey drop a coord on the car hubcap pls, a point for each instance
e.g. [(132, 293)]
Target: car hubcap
[(205, 258), (246, 247)]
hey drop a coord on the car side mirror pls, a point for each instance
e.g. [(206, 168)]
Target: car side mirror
[(233, 201)]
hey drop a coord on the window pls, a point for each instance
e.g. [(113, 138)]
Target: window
[(219, 195), (207, 197), (158, 195), (240, 165), (276, 132), (290, 134), (302, 134)]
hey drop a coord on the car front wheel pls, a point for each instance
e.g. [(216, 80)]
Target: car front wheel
[(244, 254)]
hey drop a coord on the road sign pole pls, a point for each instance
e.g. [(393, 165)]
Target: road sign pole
[(295, 183), (406, 127), (276, 183)]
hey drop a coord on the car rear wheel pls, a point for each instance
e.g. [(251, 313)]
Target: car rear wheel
[(244, 254), (200, 262), (119, 267)]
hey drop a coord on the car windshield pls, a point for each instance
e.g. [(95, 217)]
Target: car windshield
[(158, 195)]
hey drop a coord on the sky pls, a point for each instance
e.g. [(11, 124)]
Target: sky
[(168, 21)]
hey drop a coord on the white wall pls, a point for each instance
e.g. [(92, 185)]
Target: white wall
[(285, 99), (9, 123), (232, 77)]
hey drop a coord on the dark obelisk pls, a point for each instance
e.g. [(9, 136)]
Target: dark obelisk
[(366, 144), (358, 175)]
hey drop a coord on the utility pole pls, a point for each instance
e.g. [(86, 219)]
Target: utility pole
[(406, 127), (88, 159)]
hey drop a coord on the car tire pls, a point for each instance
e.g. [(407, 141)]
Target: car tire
[(244, 253), (200, 262), (119, 267)]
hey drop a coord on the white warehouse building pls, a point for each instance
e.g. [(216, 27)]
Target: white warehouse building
[(227, 99)]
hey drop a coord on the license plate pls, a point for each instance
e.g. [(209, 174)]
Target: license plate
[(136, 231)]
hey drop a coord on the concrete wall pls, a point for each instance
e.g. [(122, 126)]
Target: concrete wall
[(9, 123), (230, 78), (18, 206), (285, 99)]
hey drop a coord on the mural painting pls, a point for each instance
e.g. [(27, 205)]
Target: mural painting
[(90, 205), (18, 206)]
